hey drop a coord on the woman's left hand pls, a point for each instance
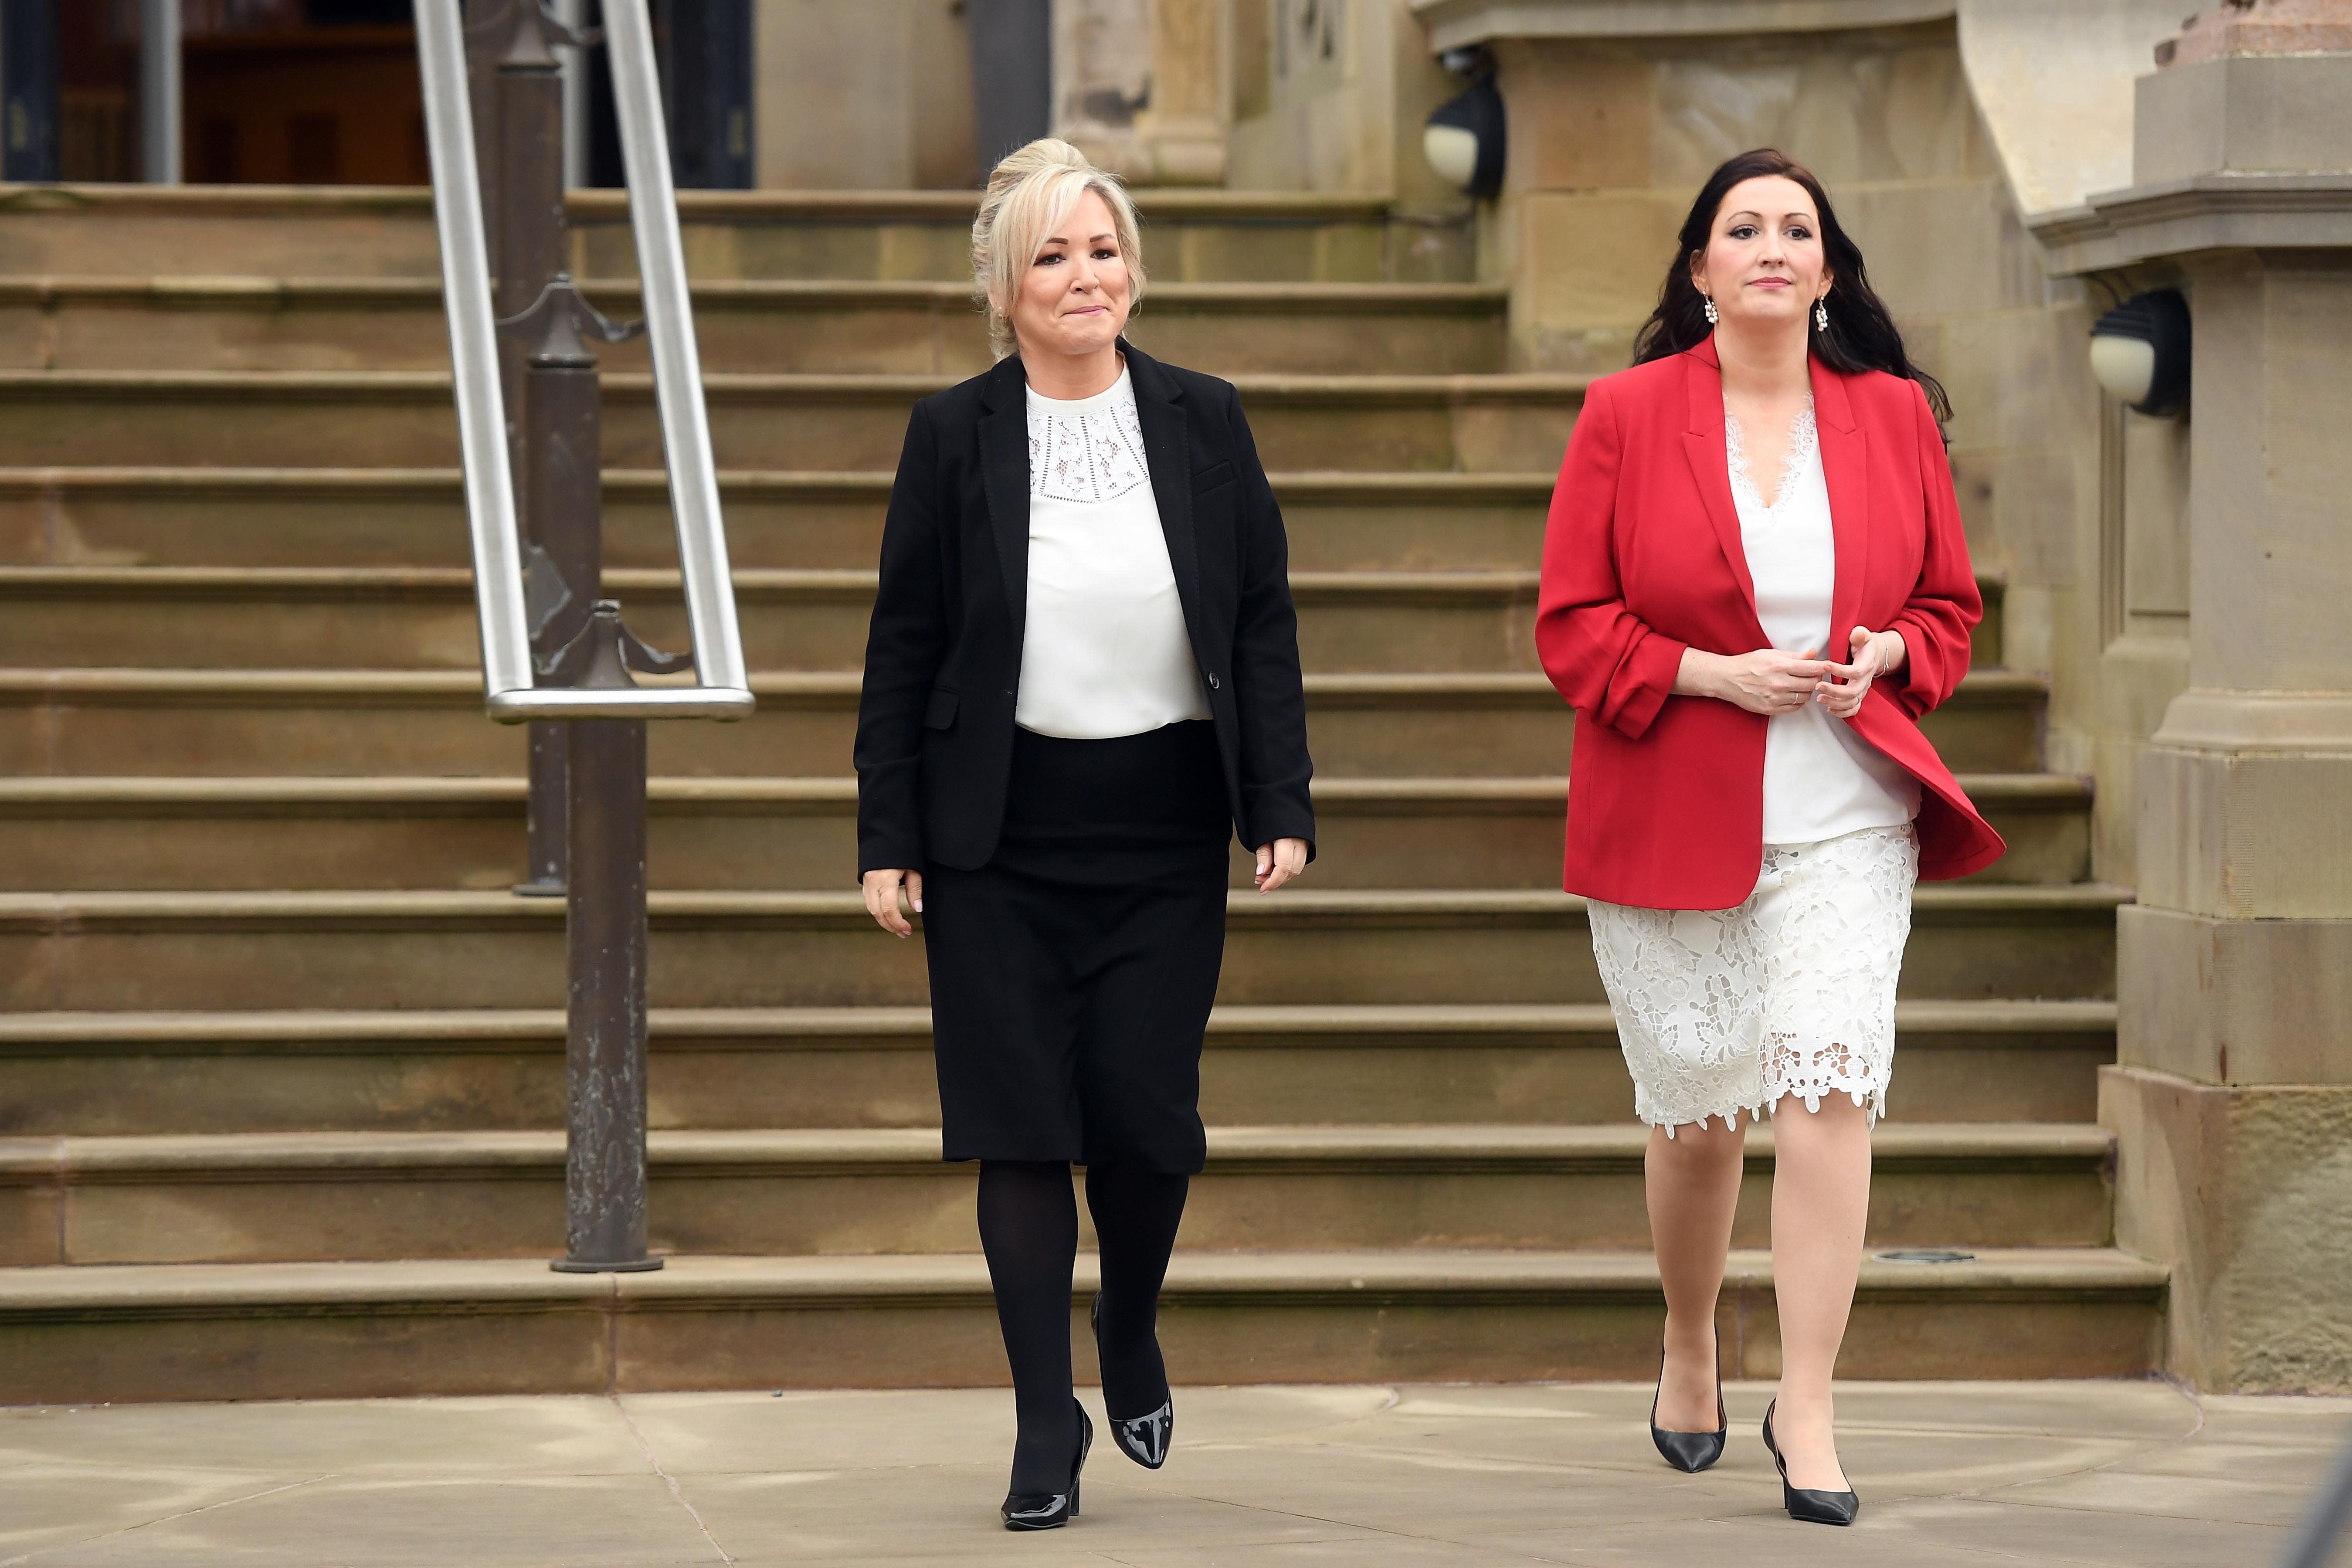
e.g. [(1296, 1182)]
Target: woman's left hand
[(1875, 654), (1279, 861)]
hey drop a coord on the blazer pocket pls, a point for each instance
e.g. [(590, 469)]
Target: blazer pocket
[(941, 711), (1208, 479)]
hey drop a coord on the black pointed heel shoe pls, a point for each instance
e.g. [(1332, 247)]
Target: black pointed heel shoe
[(1051, 1510), (1143, 1438), (1810, 1507), (1691, 1452)]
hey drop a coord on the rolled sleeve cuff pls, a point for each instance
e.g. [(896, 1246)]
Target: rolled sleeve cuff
[(1648, 675), (1920, 689)]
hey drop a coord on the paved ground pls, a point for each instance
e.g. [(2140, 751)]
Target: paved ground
[(1978, 1474)]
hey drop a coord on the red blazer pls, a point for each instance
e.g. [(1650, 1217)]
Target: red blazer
[(1643, 558)]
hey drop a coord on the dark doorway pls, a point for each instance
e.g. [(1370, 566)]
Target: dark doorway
[(705, 49), (313, 92), (97, 93), (29, 89)]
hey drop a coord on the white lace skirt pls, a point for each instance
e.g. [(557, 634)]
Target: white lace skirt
[(1791, 993)]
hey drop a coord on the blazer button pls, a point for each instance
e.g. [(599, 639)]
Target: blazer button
[(1212, 683), (1008, 692)]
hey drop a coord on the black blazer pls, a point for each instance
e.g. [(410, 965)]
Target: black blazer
[(943, 656)]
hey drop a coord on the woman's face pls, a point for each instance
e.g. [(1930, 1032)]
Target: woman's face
[(1073, 298), (1763, 264)]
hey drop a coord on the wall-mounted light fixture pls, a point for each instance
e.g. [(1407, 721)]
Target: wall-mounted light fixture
[(2140, 352), (1463, 140)]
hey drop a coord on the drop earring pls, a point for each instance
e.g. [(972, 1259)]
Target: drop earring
[(1821, 313), (1711, 317)]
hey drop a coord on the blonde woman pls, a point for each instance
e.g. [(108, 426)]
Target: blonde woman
[(1081, 680)]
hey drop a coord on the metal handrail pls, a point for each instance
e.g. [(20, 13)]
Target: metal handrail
[(722, 688)]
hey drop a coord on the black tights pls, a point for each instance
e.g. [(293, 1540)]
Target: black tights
[(1029, 1228)]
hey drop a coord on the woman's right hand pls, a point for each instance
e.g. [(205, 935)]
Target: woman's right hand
[(882, 899), (1767, 681)]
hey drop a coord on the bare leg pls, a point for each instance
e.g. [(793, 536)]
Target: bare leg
[(1693, 1184), (1821, 1204)]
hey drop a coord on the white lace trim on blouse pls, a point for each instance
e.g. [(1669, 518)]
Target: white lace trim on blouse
[(1105, 650), (1804, 449), (1089, 450)]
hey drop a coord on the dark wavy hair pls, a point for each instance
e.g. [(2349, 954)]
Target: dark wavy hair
[(1861, 335)]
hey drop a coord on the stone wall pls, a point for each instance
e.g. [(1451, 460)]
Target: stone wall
[(1296, 95), (1331, 95), (2225, 690), (875, 95), (1142, 86)]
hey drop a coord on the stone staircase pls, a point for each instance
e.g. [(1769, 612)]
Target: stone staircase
[(281, 1061)]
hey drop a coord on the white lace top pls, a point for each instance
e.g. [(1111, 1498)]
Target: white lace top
[(1820, 779), (1104, 652)]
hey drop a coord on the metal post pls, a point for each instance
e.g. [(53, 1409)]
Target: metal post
[(574, 13), (561, 466), (551, 384), (530, 251), (161, 160), (604, 1048), (547, 821), (529, 218), (527, 597)]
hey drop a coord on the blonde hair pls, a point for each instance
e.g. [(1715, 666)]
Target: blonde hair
[(1029, 194)]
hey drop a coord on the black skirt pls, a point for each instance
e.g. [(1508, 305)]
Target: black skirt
[(1072, 975)]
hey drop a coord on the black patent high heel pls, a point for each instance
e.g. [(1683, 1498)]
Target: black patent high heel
[(1691, 1452), (1810, 1507), (1051, 1510), (1143, 1438)]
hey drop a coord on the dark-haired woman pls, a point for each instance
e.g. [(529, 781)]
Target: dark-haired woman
[(1754, 584)]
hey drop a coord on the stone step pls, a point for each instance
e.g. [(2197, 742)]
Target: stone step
[(237, 833), (123, 1073), (83, 1335), (386, 232), (424, 618), (411, 517), (302, 1196), (377, 419), (920, 328), (174, 952), (364, 721), (410, 521)]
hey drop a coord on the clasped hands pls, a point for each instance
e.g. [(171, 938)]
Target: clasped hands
[(1277, 862), (1771, 682)]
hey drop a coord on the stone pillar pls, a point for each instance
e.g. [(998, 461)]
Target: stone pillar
[(1142, 86), (2232, 1095), (874, 96)]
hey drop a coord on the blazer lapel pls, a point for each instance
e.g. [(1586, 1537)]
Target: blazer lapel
[(1845, 468), (1710, 461), (1167, 451), (1005, 479)]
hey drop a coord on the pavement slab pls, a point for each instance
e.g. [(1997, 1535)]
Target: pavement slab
[(2067, 1474)]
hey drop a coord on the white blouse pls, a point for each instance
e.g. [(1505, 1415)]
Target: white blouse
[(1820, 779), (1105, 651)]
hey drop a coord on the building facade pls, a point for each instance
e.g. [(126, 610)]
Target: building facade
[(2169, 585)]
